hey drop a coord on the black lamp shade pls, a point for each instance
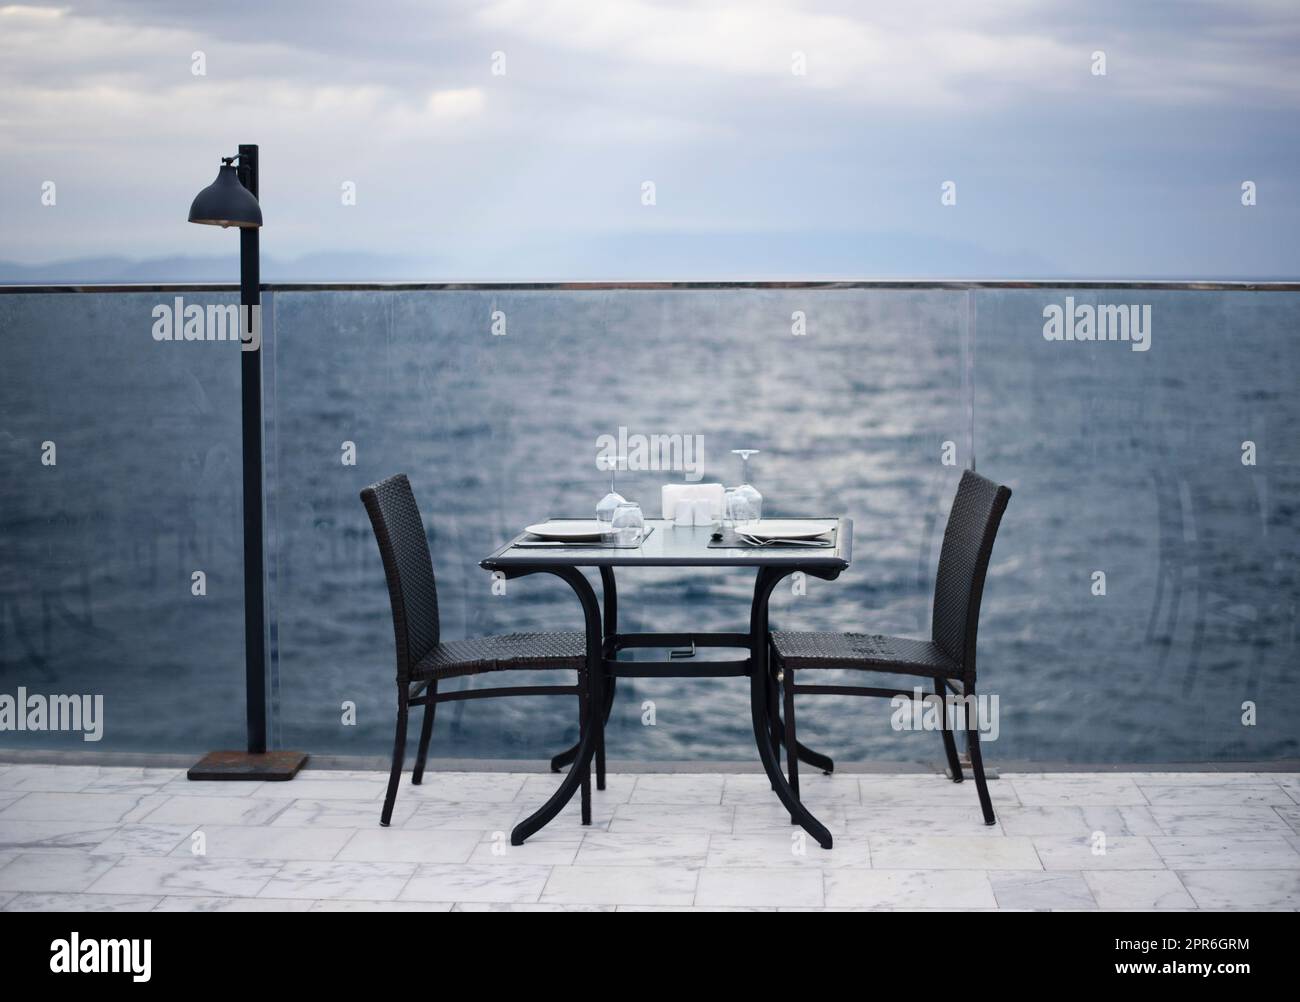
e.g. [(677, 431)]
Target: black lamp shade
[(226, 202)]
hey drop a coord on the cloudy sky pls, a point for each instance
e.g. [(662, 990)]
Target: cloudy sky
[(759, 171)]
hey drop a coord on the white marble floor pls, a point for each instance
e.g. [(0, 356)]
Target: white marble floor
[(86, 837)]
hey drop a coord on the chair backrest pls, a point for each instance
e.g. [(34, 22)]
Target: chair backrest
[(963, 561), (399, 530)]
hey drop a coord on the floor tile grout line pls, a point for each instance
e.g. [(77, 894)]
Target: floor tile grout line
[(405, 884)]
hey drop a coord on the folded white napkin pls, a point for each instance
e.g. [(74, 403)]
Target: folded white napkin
[(673, 494)]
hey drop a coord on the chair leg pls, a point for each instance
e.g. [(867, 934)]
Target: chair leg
[(399, 755), (977, 767), (949, 743), (774, 711), (600, 714), (426, 730), (584, 724), (791, 745)]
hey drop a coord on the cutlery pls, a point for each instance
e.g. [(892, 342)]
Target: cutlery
[(752, 541), (557, 543)]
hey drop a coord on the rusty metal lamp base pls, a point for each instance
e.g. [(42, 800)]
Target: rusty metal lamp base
[(275, 766)]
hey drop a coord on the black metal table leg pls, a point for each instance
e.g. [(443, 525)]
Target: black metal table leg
[(815, 759), (609, 606), (759, 694), (586, 747)]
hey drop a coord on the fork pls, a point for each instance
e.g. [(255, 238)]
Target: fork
[(752, 541)]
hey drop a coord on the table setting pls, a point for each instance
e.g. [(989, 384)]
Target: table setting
[(700, 526), (735, 516)]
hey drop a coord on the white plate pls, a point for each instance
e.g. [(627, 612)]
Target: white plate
[(566, 530), (780, 528)]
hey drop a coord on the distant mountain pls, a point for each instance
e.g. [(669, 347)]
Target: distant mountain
[(323, 267), (615, 256)]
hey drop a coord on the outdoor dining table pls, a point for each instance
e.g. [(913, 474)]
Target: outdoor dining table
[(669, 545)]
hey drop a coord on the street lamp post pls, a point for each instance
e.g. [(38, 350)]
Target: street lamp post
[(232, 200)]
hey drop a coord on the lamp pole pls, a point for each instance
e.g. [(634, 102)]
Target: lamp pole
[(250, 396), (232, 200)]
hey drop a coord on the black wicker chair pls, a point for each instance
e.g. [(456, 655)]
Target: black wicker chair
[(423, 660), (948, 658)]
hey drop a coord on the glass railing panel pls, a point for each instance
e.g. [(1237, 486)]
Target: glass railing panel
[(1171, 468), (119, 473), (494, 403)]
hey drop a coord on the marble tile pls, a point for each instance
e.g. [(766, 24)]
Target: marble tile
[(790, 848), (875, 889), (172, 875), (1226, 852), (538, 788), (671, 819), (465, 787), (201, 904), (341, 814), (66, 902), (326, 905), (1246, 890), (110, 808), (343, 880), (930, 789), (1288, 781), (1078, 821), (815, 790), (48, 778), (1075, 790), (1216, 795), (1146, 890), (485, 882), (460, 816), (685, 849), (946, 852), (707, 911), (964, 820), (1190, 778), (764, 886), (678, 789), (391, 845), (145, 840), (51, 836), (183, 787), (132, 780), (51, 871), (7, 797), (534, 852), (1122, 852), (204, 810), (772, 817), (1037, 890), (328, 789), (245, 842), (1224, 820), (536, 906), (619, 885), (352, 775), (569, 821), (88, 838)]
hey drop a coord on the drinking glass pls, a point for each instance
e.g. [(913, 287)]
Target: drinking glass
[(728, 527), (627, 527), (745, 502), (607, 505)]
